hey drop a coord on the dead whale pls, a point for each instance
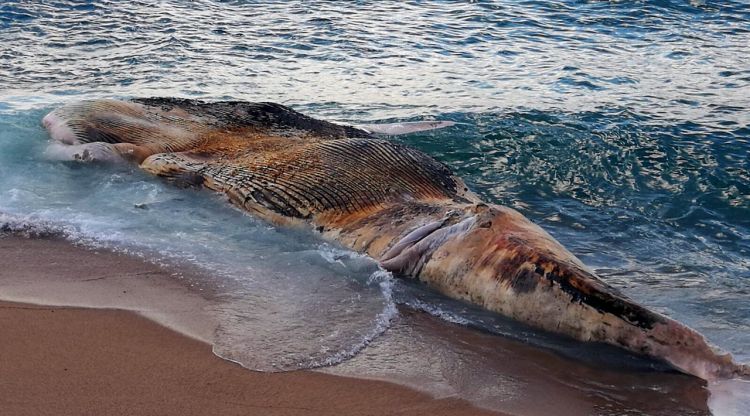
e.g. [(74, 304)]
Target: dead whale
[(392, 202)]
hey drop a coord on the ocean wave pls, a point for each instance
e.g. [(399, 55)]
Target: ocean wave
[(33, 227)]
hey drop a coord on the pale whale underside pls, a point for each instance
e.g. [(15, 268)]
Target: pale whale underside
[(398, 205)]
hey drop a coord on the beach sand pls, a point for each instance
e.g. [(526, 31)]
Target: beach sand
[(107, 355)]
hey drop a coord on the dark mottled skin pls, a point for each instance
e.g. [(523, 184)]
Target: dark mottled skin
[(238, 114)]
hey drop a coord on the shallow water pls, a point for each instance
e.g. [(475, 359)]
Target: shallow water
[(622, 128)]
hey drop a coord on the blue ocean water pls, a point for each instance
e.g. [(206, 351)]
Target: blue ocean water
[(623, 128)]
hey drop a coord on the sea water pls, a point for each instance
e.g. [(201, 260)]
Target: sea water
[(622, 128)]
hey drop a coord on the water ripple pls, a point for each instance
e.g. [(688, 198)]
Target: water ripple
[(452, 55)]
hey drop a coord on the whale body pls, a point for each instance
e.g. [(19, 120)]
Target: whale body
[(394, 203)]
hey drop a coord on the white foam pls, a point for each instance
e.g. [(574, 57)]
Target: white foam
[(438, 312), (33, 226), (381, 324)]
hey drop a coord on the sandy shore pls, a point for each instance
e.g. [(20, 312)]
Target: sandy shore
[(72, 361), (80, 361)]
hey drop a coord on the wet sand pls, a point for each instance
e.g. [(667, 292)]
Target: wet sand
[(134, 338), (78, 361)]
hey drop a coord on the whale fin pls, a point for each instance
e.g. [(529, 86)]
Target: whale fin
[(396, 129)]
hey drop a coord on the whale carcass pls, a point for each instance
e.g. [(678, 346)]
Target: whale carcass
[(378, 197)]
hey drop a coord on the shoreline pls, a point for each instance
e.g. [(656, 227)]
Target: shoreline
[(425, 362), (110, 350), (76, 361), (77, 276)]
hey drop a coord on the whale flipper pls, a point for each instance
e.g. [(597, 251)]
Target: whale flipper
[(397, 129)]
